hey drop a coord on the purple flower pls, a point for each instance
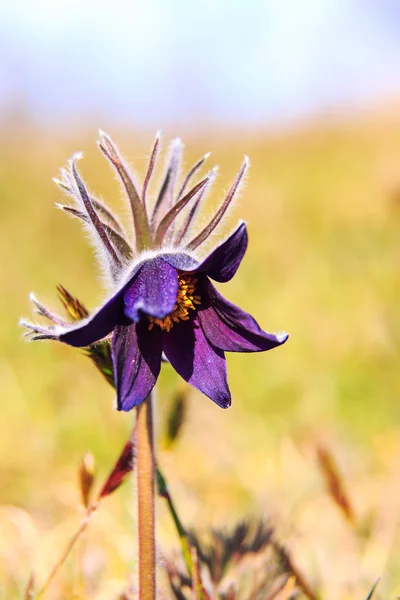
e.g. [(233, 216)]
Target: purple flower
[(163, 299)]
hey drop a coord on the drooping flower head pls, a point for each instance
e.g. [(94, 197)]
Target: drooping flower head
[(162, 299)]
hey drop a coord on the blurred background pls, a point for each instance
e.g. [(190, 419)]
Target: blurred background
[(310, 91)]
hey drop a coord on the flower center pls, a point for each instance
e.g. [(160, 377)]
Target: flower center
[(186, 300)]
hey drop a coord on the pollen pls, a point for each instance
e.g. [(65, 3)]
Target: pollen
[(186, 300)]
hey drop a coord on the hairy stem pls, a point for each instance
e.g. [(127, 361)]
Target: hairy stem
[(144, 444)]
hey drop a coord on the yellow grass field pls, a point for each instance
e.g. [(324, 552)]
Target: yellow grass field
[(322, 203)]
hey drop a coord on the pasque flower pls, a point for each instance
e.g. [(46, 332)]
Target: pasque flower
[(162, 298)]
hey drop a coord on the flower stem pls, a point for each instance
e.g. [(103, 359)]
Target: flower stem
[(144, 443)]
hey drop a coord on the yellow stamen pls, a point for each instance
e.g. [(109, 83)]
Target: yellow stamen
[(186, 300)]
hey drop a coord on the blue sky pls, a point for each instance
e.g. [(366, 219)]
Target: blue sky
[(154, 62)]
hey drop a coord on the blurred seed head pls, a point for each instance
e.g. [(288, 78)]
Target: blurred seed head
[(86, 477), (243, 564), (176, 417), (335, 483)]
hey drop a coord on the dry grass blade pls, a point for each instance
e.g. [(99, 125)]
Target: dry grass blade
[(277, 588), (206, 232), (334, 482), (122, 467), (29, 590), (179, 582), (290, 567), (198, 591), (372, 592), (66, 552), (288, 588), (196, 574)]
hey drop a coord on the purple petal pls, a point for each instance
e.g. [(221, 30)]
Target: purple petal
[(197, 361), (231, 329), (153, 291), (99, 325), (136, 356), (96, 327), (181, 261), (222, 264)]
